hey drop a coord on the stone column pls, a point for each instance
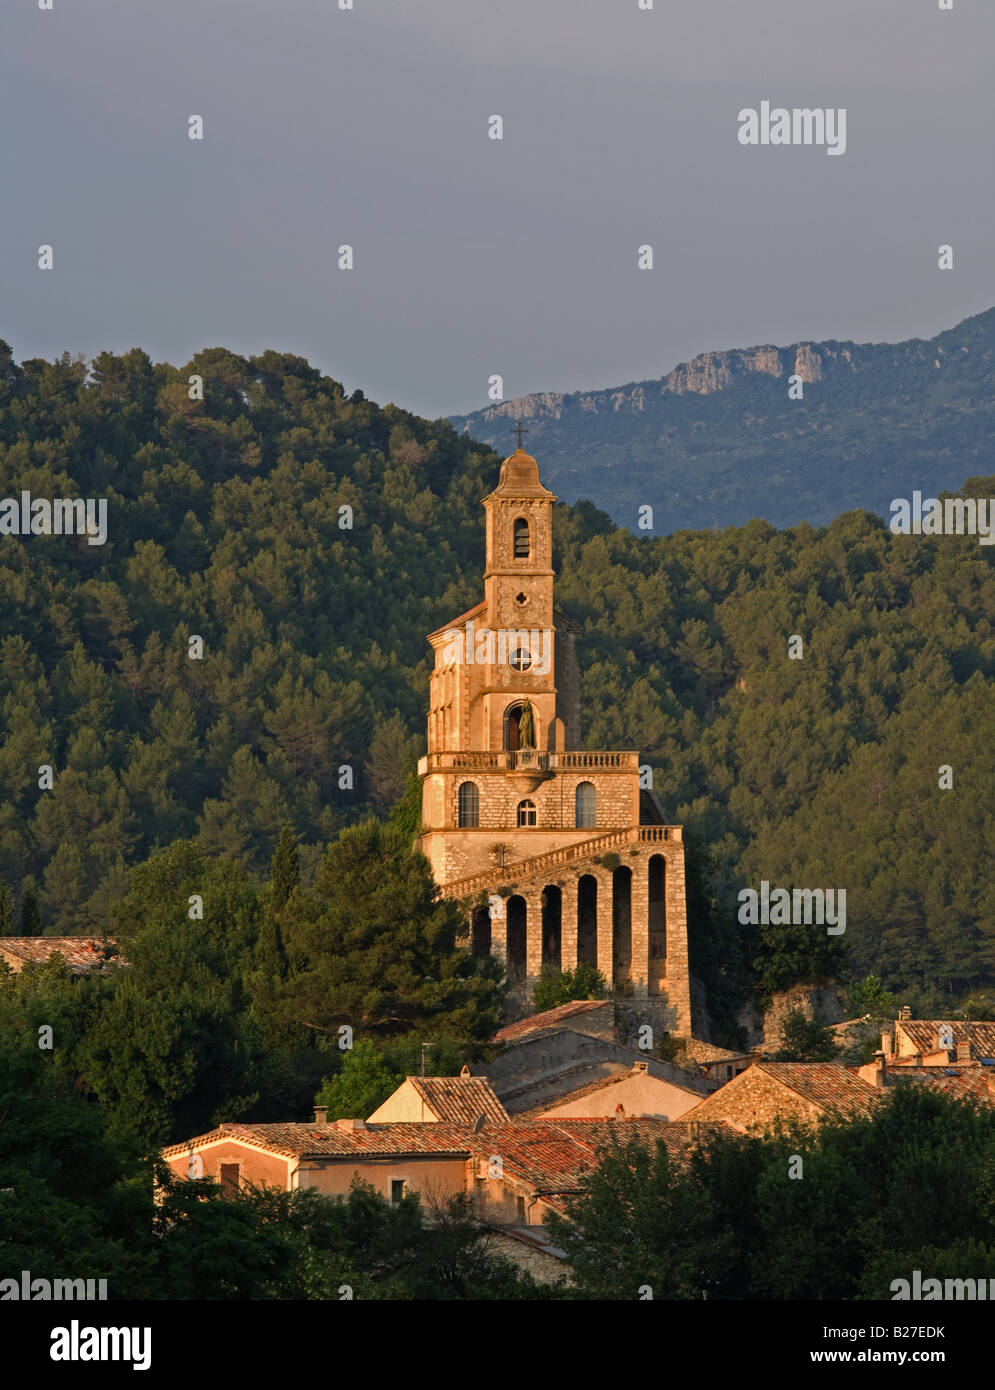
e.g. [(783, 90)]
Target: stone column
[(499, 931), (640, 929), (678, 975), (568, 925), (606, 936), (533, 937)]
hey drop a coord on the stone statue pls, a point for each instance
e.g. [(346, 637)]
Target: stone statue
[(526, 728)]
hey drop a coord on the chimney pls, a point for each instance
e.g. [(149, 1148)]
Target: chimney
[(888, 1042), (964, 1052), (917, 1060), (875, 1073), (321, 1114), (350, 1126)]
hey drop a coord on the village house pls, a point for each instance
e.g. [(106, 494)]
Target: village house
[(516, 1171), (421, 1099), (770, 1092), (934, 1042), (84, 955), (717, 1063), (559, 1055)]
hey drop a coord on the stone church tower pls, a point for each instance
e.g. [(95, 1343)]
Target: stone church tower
[(560, 855)]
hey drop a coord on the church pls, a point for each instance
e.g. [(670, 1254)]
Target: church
[(561, 853)]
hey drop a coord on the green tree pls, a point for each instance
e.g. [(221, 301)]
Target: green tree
[(363, 1083), (375, 948), (30, 911), (556, 987), (285, 870), (805, 1040), (6, 911)]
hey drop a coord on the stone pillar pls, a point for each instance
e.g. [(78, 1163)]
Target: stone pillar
[(678, 972), (568, 925), (533, 937), (640, 928), (606, 936), (499, 931)]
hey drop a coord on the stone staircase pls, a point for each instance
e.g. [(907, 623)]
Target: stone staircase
[(539, 863)]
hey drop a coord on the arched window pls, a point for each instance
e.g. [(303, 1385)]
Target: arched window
[(526, 813), (469, 806), (523, 543), (585, 806)]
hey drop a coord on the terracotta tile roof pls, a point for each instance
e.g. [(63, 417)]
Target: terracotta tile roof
[(924, 1033), (550, 1019), (552, 1157), (459, 1098), (826, 1085), (334, 1140), (976, 1082), (82, 953)]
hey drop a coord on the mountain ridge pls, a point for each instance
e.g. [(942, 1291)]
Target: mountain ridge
[(710, 441)]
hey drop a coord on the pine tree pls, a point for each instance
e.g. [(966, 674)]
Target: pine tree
[(285, 871), (30, 911), (6, 911)]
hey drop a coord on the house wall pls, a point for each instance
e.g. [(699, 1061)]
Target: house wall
[(641, 1095), (432, 1177), (256, 1166), (405, 1104)]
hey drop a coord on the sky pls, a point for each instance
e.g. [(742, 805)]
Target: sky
[(473, 256)]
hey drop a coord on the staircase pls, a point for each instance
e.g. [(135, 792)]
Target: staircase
[(539, 863)]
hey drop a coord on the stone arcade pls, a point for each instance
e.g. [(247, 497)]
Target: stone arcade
[(572, 856)]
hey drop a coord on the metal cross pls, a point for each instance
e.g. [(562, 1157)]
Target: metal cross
[(521, 430)]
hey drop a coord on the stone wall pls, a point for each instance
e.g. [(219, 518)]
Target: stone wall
[(543, 1267)]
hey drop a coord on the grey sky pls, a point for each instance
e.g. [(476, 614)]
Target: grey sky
[(476, 256)]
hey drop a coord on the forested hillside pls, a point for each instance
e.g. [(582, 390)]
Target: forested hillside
[(226, 522)]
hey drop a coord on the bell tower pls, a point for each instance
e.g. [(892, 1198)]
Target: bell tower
[(518, 578), (571, 858)]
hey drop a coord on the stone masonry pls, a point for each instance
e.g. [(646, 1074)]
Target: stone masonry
[(559, 855)]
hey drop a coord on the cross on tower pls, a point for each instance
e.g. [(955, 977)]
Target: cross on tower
[(520, 428)]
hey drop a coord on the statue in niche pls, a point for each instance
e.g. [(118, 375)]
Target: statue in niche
[(526, 728)]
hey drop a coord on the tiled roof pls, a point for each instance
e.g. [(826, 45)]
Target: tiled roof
[(975, 1082), (554, 1156), (549, 1156), (550, 1019), (460, 1098), (826, 1085), (83, 954), (924, 1034), (333, 1141), (706, 1053)]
